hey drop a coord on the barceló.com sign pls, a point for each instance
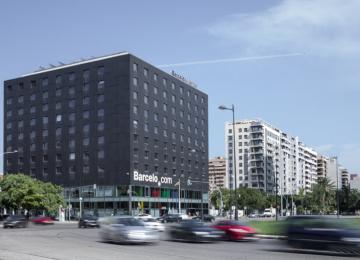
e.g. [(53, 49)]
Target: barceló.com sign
[(151, 178)]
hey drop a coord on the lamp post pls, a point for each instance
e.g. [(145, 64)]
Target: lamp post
[(337, 188), (190, 182), (232, 109)]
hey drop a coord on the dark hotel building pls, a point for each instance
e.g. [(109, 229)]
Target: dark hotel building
[(116, 132)]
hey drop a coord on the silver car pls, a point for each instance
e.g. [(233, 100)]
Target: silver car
[(126, 229)]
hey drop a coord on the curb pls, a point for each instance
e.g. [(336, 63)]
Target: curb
[(271, 237)]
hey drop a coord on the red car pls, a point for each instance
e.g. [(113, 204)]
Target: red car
[(42, 220), (235, 230)]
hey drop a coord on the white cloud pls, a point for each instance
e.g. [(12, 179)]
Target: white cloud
[(317, 27)]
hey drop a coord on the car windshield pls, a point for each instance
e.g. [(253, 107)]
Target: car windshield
[(14, 217), (129, 222)]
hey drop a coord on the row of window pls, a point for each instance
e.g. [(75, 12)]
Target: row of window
[(60, 78), (165, 93)]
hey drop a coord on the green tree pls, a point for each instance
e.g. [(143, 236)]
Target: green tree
[(322, 197)]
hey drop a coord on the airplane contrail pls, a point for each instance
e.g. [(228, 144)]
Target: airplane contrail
[(230, 60)]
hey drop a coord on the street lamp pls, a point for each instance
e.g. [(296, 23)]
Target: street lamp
[(232, 109)]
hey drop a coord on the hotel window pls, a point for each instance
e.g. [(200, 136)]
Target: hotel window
[(58, 132), (45, 107), (165, 107), (146, 99), (173, 110), (32, 147), (156, 103), (146, 127), (20, 124), (72, 103), (58, 105), (32, 110), (45, 158), (86, 169), (146, 86), (32, 122), (100, 98), (155, 77), (135, 124), (135, 81), (173, 123), (156, 117), (72, 130), (72, 156), (100, 126), (101, 72), (32, 97), (156, 90), (101, 85), (101, 154), (181, 113), (146, 72), (86, 141), (86, 157), (86, 114), (58, 157), (9, 125), (101, 112), (58, 170), (181, 101), (58, 118), (45, 120), (21, 136), (101, 171), (72, 92), (21, 99), (165, 133), (86, 76), (172, 85), (45, 82), (135, 67), (58, 92), (146, 113), (135, 95), (202, 100), (165, 94), (72, 117), (86, 87), (45, 133), (58, 80), (164, 81), (101, 140), (86, 129), (165, 120), (9, 113), (86, 100), (156, 130), (72, 144), (71, 77), (32, 84)]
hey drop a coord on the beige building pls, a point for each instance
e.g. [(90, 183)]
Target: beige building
[(217, 173)]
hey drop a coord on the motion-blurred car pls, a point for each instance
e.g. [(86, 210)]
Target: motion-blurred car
[(126, 229), (194, 231), (170, 218), (88, 221), (207, 218), (235, 230), (154, 224), (322, 233), (42, 220), (253, 215), (15, 221), (143, 216)]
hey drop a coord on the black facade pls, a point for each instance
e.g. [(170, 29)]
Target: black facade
[(111, 121)]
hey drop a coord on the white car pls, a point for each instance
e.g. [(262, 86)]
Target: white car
[(144, 216), (154, 224), (184, 216)]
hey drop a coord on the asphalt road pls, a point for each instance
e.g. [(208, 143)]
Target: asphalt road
[(66, 241)]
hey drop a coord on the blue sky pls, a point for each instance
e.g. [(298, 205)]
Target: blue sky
[(314, 95)]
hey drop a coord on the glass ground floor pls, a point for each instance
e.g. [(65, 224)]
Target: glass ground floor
[(117, 200)]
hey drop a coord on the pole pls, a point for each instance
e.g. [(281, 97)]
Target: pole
[(276, 197), (235, 173), (202, 203), (130, 200), (337, 189), (69, 204), (179, 196)]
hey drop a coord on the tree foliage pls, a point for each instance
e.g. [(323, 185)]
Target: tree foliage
[(21, 192)]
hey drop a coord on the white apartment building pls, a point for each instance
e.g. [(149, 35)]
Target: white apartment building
[(217, 173), (330, 168), (268, 159)]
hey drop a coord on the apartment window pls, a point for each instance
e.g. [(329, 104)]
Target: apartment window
[(101, 171), (86, 169), (45, 107), (173, 98), (58, 170), (156, 103), (32, 122), (146, 127), (165, 107), (72, 144), (146, 99), (86, 100), (86, 157), (101, 140), (58, 132), (181, 113), (156, 117), (58, 118), (58, 105), (100, 98), (146, 86), (173, 123), (173, 110), (32, 97), (101, 85), (72, 130), (100, 126), (146, 72), (58, 145), (9, 113), (181, 101), (156, 130), (72, 156), (45, 158), (21, 136), (58, 157), (32, 110), (58, 92), (164, 81), (135, 81), (20, 124), (9, 125), (32, 147), (135, 67), (165, 133), (146, 113), (165, 120), (86, 129), (165, 94), (135, 124), (156, 90), (32, 84), (155, 77), (135, 95)]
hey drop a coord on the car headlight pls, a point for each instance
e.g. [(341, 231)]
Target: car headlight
[(201, 233), (351, 239)]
